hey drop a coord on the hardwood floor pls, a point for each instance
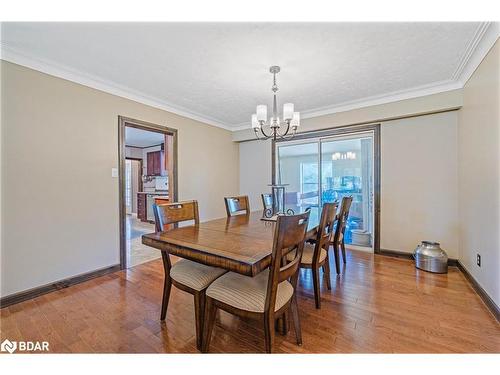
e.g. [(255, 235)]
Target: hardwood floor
[(378, 305), (136, 251)]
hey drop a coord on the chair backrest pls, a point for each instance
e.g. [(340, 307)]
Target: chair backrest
[(235, 205), (267, 200), (325, 230), (171, 213), (342, 217), (289, 236)]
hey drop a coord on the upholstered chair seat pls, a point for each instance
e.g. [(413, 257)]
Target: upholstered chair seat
[(194, 275), (248, 293), (307, 255)]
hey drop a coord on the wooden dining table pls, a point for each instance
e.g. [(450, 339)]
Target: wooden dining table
[(241, 243)]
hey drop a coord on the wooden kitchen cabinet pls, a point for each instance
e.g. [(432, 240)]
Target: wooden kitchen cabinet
[(154, 163), (141, 207)]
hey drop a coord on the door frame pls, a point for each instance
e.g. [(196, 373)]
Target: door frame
[(348, 130), (124, 122)]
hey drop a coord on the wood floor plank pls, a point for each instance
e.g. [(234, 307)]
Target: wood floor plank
[(377, 304)]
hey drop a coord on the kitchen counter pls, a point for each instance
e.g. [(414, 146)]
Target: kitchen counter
[(145, 202), (163, 197)]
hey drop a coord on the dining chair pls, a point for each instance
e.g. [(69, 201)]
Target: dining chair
[(315, 255), (271, 293), (339, 233), (237, 205), (267, 201), (186, 275)]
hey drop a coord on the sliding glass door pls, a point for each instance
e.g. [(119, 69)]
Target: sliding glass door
[(325, 169), (347, 170)]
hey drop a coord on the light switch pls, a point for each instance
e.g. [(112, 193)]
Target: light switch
[(114, 172)]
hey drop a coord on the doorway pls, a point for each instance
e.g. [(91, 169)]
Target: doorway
[(326, 166), (148, 176)]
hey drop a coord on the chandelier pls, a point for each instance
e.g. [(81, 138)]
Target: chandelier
[(285, 129), (349, 155)]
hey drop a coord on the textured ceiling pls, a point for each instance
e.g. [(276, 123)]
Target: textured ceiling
[(219, 71), (142, 138)]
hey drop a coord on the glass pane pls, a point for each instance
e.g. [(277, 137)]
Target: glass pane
[(347, 171), (298, 167)]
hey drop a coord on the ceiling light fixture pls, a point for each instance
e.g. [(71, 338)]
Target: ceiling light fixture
[(350, 155), (291, 119)]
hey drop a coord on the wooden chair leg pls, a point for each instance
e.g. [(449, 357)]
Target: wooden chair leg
[(285, 324), (269, 332), (326, 272), (342, 245), (210, 311), (317, 295), (336, 256), (199, 313), (296, 320), (167, 285)]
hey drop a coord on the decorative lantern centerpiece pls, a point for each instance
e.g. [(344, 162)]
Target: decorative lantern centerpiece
[(278, 207)]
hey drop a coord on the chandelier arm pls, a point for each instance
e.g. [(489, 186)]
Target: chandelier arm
[(256, 132), (293, 134), (283, 136), (287, 128), (264, 134)]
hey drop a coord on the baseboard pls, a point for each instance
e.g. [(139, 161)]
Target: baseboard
[(401, 254), (490, 304), (61, 284)]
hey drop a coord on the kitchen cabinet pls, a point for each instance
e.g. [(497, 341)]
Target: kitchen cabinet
[(145, 203), (154, 163), (141, 207)]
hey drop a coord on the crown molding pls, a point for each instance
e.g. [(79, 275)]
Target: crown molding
[(395, 96), (485, 37), (12, 55)]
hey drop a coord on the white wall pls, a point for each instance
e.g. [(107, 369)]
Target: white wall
[(62, 137), (479, 174), (255, 170), (418, 180)]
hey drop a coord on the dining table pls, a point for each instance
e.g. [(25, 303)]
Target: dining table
[(241, 243)]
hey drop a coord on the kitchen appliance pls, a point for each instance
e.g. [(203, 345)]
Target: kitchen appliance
[(430, 257), (150, 200)]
